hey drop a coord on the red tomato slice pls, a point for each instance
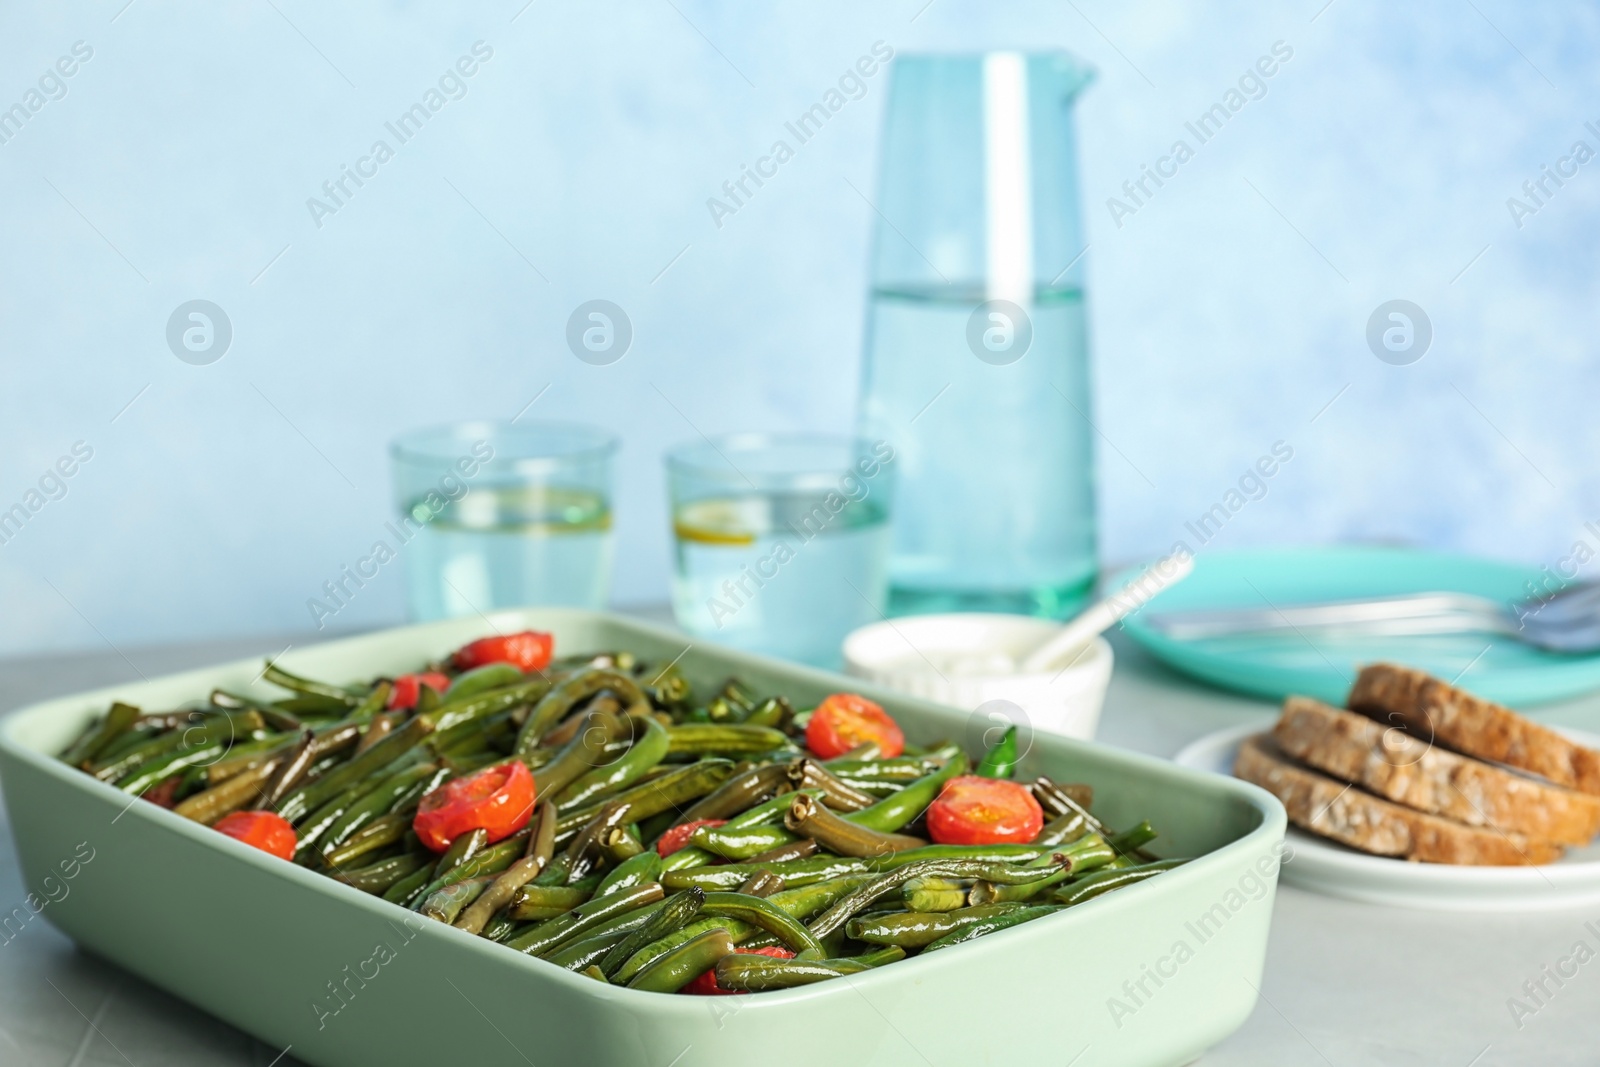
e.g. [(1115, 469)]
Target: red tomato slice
[(706, 985), (527, 651), (678, 836), (984, 811), (408, 688), (266, 830), (844, 720), (498, 799)]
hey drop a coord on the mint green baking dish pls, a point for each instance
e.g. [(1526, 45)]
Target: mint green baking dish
[(1153, 974)]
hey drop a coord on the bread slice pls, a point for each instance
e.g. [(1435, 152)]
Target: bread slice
[(1436, 710), (1356, 818), (1406, 769)]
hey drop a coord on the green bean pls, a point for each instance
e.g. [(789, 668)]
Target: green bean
[(118, 721), (587, 952), (757, 911), (138, 736), (932, 893), (761, 884), (667, 688), (533, 902), (178, 750), (684, 964), (736, 931), (751, 833), (300, 802), (377, 801), (446, 904), (794, 850), (550, 935), (1086, 854), (280, 677), (794, 873), (379, 876), (902, 770), (482, 679), (846, 907), (410, 885), (917, 929), (491, 860), (705, 739), (891, 813), (556, 702), (750, 973), (541, 844), (1104, 881), (645, 867), (808, 818), (288, 770), (1063, 828), (379, 833), (588, 747), (808, 774), (380, 727), (645, 753), (154, 771), (208, 806), (742, 842), (677, 912), (1001, 759), (991, 853), (1131, 842), (461, 849), (800, 904), (988, 926), (610, 930), (621, 843), (1058, 800), (737, 794), (686, 858), (330, 741), (452, 713), (655, 796)]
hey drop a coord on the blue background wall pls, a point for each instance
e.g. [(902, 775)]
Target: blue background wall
[(1228, 312)]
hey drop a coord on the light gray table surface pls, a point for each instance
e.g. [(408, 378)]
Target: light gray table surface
[(1345, 983)]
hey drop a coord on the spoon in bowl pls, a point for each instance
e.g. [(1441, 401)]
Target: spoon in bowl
[(1110, 610)]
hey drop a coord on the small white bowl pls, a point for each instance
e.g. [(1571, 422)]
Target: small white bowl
[(966, 660)]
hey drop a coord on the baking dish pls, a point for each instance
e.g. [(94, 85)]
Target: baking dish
[(1153, 974)]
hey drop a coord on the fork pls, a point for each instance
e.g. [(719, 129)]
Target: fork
[(1567, 620)]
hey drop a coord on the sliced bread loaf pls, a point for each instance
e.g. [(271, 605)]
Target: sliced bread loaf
[(1354, 817), (1436, 710), (1401, 767)]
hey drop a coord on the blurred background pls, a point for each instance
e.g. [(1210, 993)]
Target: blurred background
[(1228, 310)]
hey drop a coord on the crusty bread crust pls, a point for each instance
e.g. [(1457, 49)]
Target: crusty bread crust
[(1401, 767), (1356, 818), (1437, 710)]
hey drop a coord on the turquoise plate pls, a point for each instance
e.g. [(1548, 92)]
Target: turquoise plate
[(1323, 666)]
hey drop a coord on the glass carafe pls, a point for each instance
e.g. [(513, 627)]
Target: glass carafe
[(977, 364)]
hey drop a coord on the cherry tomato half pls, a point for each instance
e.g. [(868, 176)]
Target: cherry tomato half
[(408, 688), (844, 720), (678, 837), (706, 985), (984, 811), (498, 799), (266, 830), (527, 651)]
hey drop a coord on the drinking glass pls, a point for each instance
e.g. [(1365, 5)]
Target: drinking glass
[(501, 514), (977, 363), (781, 541)]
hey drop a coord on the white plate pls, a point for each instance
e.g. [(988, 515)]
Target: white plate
[(1328, 867)]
